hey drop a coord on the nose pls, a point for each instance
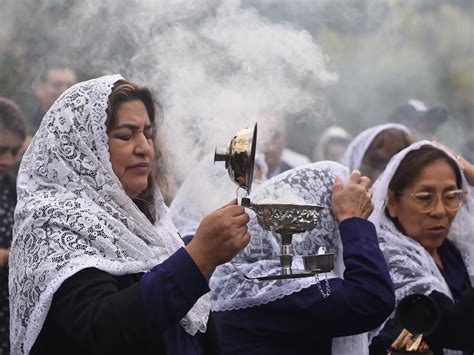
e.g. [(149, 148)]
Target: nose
[(438, 209), (143, 146)]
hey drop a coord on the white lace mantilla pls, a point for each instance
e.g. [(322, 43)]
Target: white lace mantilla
[(72, 214)]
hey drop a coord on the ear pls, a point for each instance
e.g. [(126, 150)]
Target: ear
[(391, 204)]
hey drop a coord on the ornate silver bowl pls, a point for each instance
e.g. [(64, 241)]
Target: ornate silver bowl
[(285, 218)]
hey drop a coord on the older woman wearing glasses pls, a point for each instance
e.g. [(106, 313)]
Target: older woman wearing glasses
[(425, 223)]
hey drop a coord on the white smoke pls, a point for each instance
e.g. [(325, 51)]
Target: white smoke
[(216, 66), (226, 70)]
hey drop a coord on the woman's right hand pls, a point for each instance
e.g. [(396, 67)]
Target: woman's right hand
[(219, 237)]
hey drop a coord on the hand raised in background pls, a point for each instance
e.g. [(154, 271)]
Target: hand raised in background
[(353, 199), (219, 237), (467, 166)]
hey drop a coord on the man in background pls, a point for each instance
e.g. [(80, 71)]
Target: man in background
[(273, 145), (423, 122), (54, 77)]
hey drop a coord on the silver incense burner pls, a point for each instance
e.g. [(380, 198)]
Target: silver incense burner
[(283, 219)]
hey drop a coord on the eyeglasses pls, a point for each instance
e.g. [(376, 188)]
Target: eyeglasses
[(426, 201)]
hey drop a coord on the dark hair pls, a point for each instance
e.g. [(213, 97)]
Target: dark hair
[(12, 118), (125, 91), (392, 140), (414, 161)]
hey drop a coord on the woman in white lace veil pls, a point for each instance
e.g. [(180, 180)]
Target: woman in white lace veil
[(412, 268), (74, 213), (232, 292), (371, 150)]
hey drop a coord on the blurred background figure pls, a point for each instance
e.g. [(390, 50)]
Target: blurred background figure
[(12, 136), (332, 144), (273, 144), (372, 149), (14, 67), (422, 121), (54, 77)]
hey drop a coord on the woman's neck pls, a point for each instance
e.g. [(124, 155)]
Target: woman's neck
[(437, 259)]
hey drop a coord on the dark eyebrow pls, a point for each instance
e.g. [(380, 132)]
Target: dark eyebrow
[(431, 189), (424, 188), (133, 126)]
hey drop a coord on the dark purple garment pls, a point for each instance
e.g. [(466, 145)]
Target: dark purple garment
[(169, 291), (455, 272), (94, 312), (304, 322), (455, 328)]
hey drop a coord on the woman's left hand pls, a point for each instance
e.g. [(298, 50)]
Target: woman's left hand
[(353, 199), (468, 167)]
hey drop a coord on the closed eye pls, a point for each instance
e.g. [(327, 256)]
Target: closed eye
[(454, 195), (149, 132), (424, 196)]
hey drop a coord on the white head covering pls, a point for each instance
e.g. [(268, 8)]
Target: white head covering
[(72, 214), (412, 269), (356, 150), (312, 184), (332, 132)]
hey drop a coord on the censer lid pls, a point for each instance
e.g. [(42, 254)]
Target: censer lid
[(239, 157)]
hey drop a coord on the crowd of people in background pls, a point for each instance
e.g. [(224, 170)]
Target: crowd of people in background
[(100, 263)]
